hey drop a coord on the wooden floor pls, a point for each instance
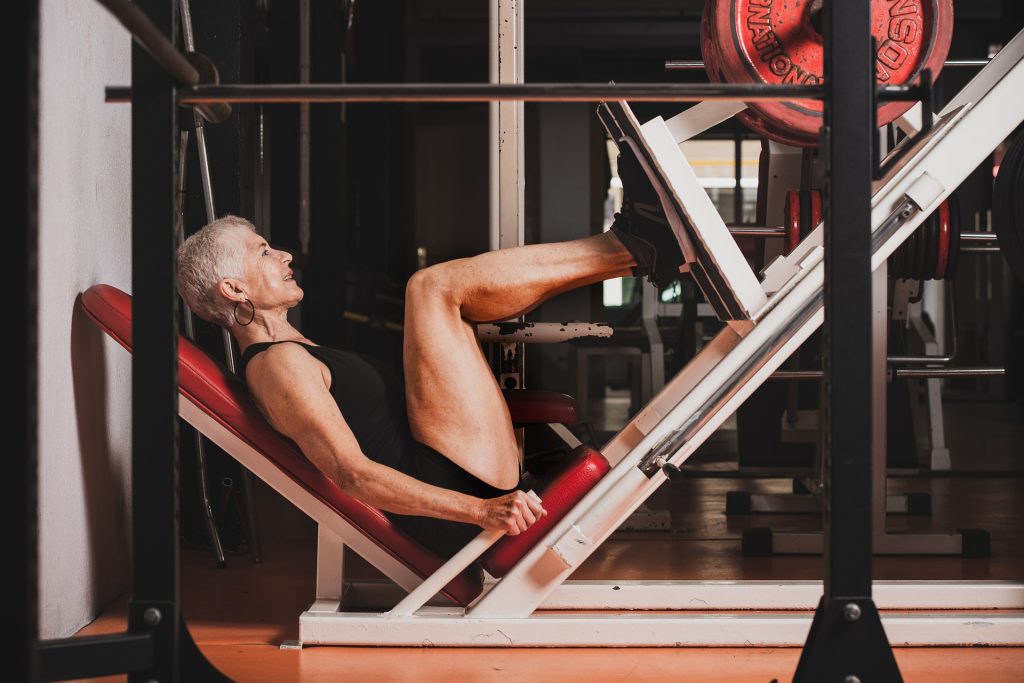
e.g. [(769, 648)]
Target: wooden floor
[(241, 614)]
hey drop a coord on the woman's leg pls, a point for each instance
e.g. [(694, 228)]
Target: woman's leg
[(454, 402)]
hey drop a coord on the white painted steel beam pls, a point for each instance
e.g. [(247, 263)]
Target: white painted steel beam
[(733, 595), (506, 126), (440, 627)]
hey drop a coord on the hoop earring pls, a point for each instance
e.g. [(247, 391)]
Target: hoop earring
[(234, 313)]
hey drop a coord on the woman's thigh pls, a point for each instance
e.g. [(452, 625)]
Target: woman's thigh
[(454, 402)]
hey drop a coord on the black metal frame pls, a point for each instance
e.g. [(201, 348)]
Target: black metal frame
[(846, 641), (21, 49), (157, 644)]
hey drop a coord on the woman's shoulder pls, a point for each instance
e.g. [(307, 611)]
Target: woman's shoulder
[(277, 361)]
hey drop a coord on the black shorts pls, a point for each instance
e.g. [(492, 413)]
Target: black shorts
[(442, 536)]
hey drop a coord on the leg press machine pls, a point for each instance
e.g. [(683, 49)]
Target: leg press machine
[(526, 598)]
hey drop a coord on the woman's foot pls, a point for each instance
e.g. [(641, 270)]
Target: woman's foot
[(652, 244), (642, 227)]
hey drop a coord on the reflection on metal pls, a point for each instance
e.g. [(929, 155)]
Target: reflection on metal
[(789, 375), (698, 65)]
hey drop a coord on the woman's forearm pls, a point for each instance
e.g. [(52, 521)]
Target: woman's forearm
[(394, 491)]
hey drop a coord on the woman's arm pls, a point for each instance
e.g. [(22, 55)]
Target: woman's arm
[(290, 390)]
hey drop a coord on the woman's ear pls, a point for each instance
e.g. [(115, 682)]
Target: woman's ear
[(232, 289)]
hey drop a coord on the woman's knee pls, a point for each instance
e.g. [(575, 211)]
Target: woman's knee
[(432, 282)]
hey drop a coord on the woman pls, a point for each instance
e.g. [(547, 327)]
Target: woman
[(439, 454)]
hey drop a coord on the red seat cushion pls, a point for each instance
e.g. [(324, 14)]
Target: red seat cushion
[(532, 406), (561, 490), (224, 397)]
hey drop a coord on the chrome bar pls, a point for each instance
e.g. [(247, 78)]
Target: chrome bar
[(979, 237), (806, 375), (698, 64), (488, 92)]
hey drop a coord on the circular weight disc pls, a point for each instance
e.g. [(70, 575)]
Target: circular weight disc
[(896, 262), (777, 42), (919, 250), (931, 246), (758, 124), (792, 212), (751, 120), (942, 255), (954, 237), (817, 215)]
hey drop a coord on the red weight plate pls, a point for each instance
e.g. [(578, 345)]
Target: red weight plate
[(953, 257), (931, 246), (748, 118), (777, 42), (792, 215), (758, 124), (942, 259), (817, 216)]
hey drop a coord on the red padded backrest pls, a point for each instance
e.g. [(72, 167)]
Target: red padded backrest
[(224, 398)]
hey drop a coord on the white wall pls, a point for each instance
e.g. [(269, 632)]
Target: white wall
[(84, 378)]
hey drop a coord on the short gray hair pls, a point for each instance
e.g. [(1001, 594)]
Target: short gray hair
[(206, 258)]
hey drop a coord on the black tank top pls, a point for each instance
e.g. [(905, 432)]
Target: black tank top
[(370, 396), (372, 400)]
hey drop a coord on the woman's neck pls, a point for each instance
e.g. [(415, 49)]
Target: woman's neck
[(263, 329)]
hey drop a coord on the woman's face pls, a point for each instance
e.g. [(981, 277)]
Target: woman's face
[(268, 279)]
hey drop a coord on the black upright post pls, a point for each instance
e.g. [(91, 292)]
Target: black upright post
[(21, 50), (847, 642), (154, 606)]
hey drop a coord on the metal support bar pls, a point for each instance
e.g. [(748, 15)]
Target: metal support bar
[(92, 656), (22, 373), (506, 121), (155, 603), (152, 40), (698, 65), (807, 375), (846, 639), (484, 92)]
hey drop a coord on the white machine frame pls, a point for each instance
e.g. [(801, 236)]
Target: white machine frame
[(527, 607)]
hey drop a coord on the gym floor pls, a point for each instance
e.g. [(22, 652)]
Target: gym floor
[(240, 615)]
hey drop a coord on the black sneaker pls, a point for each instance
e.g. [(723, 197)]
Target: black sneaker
[(642, 226), (646, 233)]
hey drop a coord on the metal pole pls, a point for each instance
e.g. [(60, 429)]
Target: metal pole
[(226, 339), (21, 372), (152, 39), (846, 641), (279, 93), (190, 334), (848, 304), (485, 92), (154, 607)]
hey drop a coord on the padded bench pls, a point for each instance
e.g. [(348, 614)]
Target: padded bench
[(223, 397)]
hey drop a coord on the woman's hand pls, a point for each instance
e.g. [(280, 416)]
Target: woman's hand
[(513, 513)]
